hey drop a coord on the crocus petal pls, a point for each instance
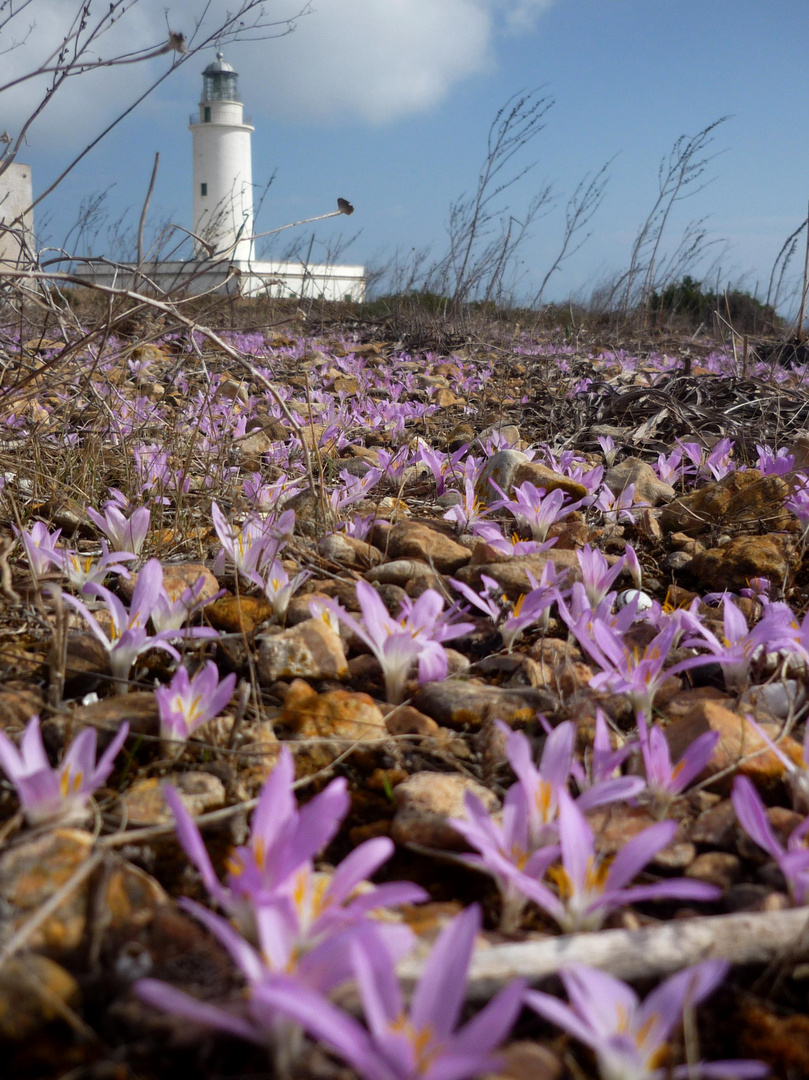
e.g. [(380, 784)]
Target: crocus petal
[(192, 844), (107, 759), (753, 817), (243, 955), (493, 1023), (551, 1008), (339, 1031), (638, 851), (166, 997), (441, 990)]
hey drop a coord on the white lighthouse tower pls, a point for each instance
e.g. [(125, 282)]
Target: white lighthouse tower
[(223, 172)]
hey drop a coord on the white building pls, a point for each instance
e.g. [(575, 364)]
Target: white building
[(16, 240), (223, 227), (223, 171)]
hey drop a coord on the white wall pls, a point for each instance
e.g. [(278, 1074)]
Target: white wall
[(17, 244), (222, 161)]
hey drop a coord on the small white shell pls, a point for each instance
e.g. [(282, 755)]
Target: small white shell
[(628, 595)]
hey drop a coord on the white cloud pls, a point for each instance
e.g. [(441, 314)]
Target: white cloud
[(376, 60)]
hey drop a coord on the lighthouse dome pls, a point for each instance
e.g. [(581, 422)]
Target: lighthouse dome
[(220, 81)]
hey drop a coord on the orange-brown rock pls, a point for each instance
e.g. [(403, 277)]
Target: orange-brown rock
[(467, 704), (428, 542), (32, 989), (744, 499), (512, 575), (238, 614), (310, 650), (732, 565), (145, 803), (424, 803), (740, 748), (325, 725)]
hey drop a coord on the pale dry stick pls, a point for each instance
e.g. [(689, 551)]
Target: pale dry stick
[(145, 210), (649, 953)]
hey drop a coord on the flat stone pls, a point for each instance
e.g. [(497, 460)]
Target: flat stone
[(139, 708), (349, 551), (239, 614), (542, 477), (648, 486), (31, 989), (524, 1060), (424, 803), (177, 577), (427, 543), (740, 747), (33, 870), (614, 825), (719, 868), (467, 704), (406, 720), (401, 572), (500, 467), (732, 565), (512, 576), (145, 803), (310, 650), (332, 722), (746, 499)]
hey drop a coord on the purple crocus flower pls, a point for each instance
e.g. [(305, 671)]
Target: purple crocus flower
[(255, 544), (664, 780), (186, 702), (40, 546), (320, 968), (533, 607), (470, 511), (589, 886), (397, 644), (526, 837), (422, 1043), (602, 763), (48, 794), (278, 587), (631, 1037), (534, 509), (171, 615), (125, 534), (793, 861), (84, 570), (128, 636)]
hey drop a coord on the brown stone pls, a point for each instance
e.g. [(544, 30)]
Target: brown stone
[(467, 704), (512, 575), (33, 870), (648, 486), (32, 988), (747, 499), (424, 803), (740, 747), (349, 551), (719, 868), (177, 577), (239, 614), (524, 1060), (429, 543), (732, 565), (138, 708), (331, 722), (542, 477), (310, 650), (200, 792), (405, 720)]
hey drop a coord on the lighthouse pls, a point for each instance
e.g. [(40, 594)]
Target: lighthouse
[(222, 173)]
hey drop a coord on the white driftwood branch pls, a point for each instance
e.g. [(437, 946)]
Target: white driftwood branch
[(654, 951)]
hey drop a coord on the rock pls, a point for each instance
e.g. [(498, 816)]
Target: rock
[(87, 665), (500, 467), (735, 563), (239, 614), (32, 988), (512, 576), (717, 827), (310, 650), (332, 722), (429, 543), (745, 499), (542, 477), (400, 572), (424, 803), (717, 868), (138, 707), (524, 1060), (740, 747), (648, 487), (309, 520), (460, 704), (405, 720), (250, 447), (200, 792), (33, 870), (614, 825), (348, 551), (507, 433), (177, 577)]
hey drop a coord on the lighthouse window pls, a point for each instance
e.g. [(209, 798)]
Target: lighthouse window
[(206, 114), (203, 190)]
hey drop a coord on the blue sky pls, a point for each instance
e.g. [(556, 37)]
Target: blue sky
[(388, 103)]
